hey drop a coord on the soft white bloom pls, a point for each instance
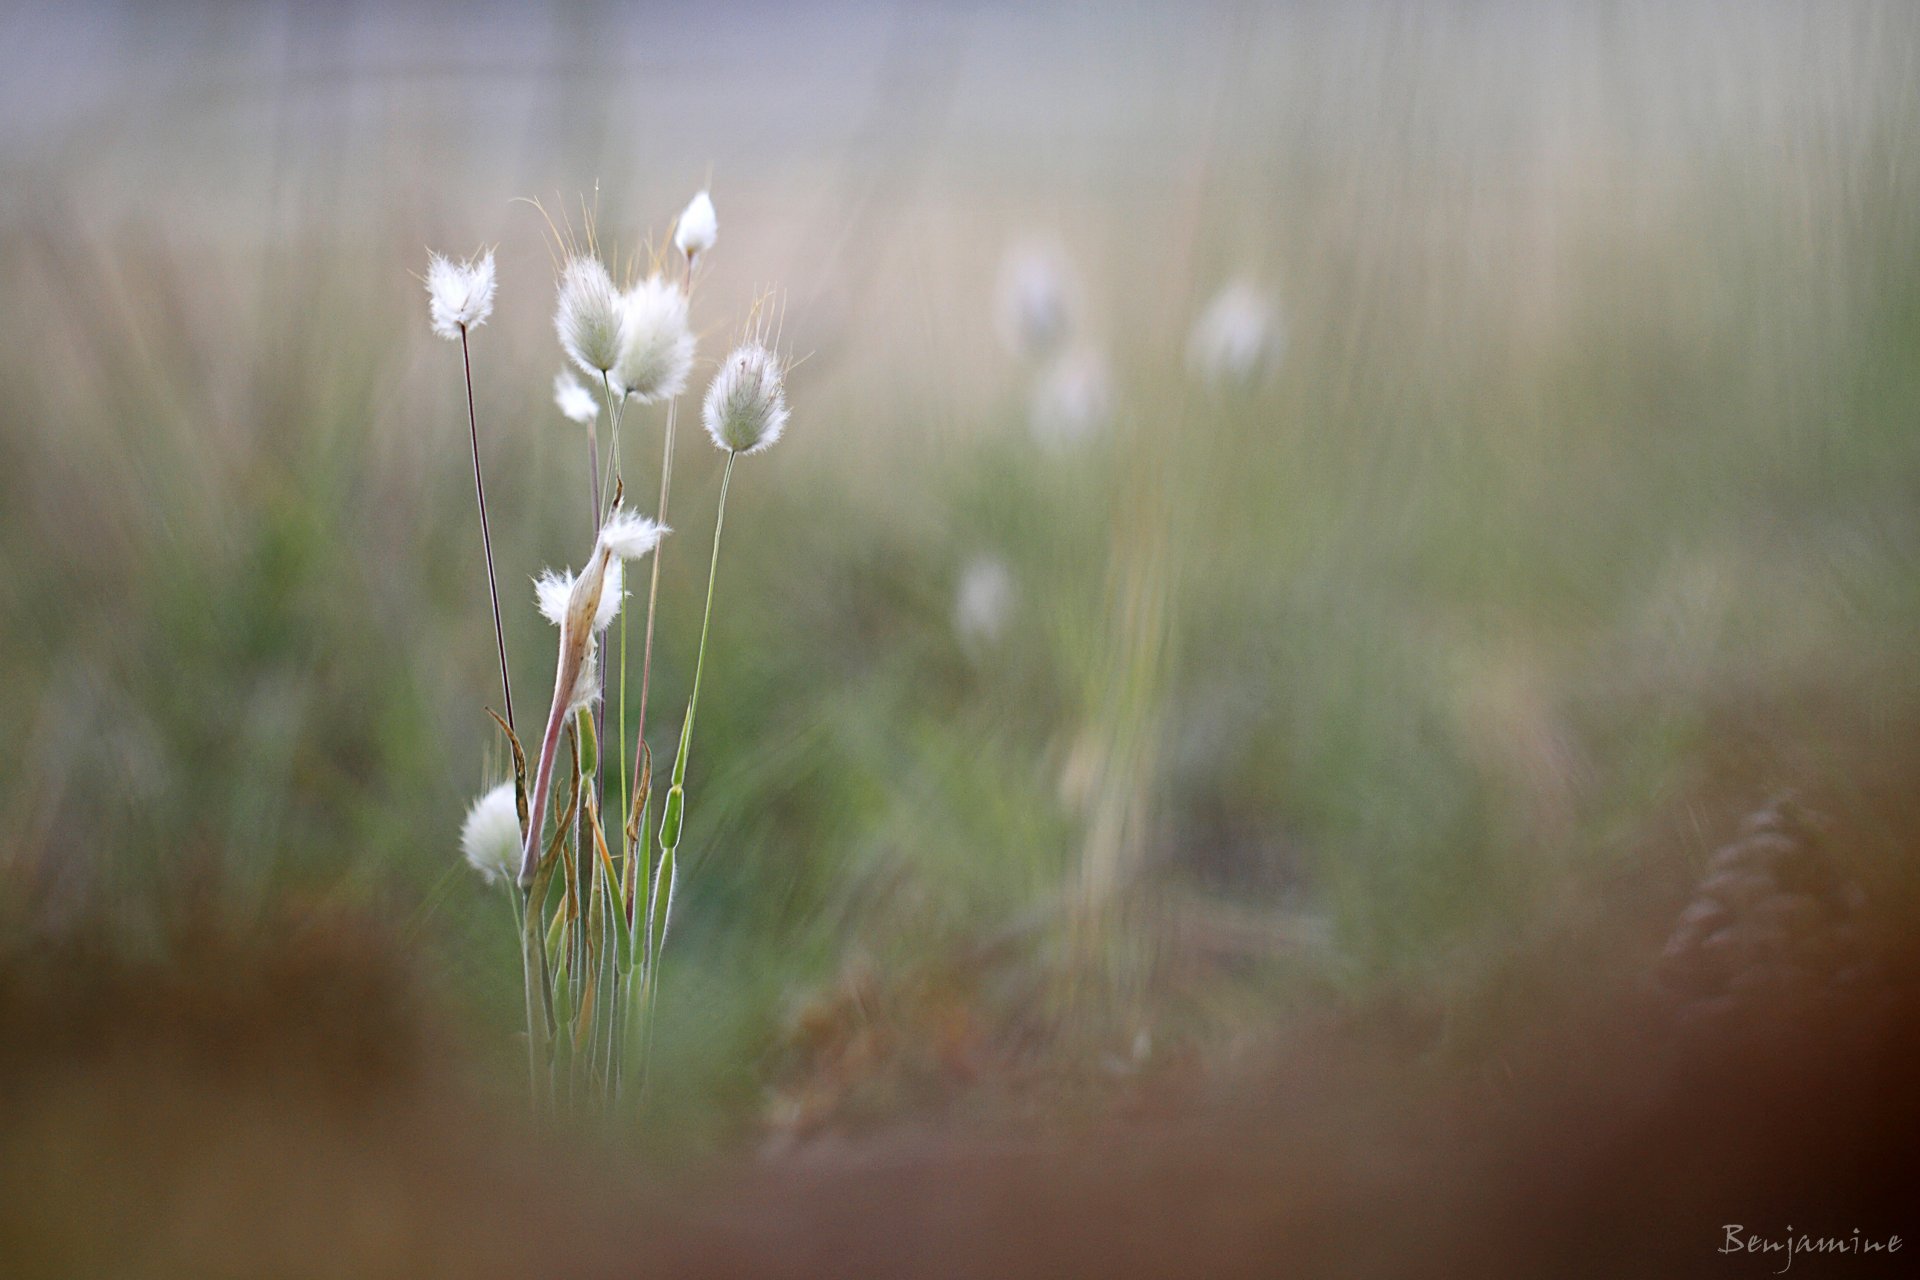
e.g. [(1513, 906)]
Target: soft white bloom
[(1237, 337), (589, 317), (656, 350), (746, 407), (983, 602), (490, 837), (459, 294), (1034, 302), (575, 401), (1072, 399), (553, 591), (628, 535), (697, 228), (550, 592)]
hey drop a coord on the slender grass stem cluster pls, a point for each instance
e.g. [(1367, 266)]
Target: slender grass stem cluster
[(593, 891)]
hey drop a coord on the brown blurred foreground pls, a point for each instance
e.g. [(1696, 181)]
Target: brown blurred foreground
[(280, 1105)]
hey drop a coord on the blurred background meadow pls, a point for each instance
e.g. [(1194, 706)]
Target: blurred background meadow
[(1073, 722)]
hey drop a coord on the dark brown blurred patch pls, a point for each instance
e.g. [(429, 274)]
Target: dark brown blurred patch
[(280, 1101), (269, 1101)]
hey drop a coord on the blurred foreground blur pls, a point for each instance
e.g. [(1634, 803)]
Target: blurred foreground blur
[(1261, 756)]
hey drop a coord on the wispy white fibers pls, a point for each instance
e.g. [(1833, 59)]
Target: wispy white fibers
[(459, 294), (581, 606), (628, 535), (656, 349), (574, 400), (1237, 338), (552, 591), (697, 228), (589, 316), (490, 837), (1072, 399), (1033, 300), (983, 602), (746, 405)]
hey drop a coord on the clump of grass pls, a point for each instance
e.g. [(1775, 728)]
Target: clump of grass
[(592, 907)]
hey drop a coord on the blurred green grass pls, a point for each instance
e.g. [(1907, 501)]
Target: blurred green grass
[(1585, 496)]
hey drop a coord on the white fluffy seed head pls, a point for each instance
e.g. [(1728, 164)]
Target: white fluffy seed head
[(746, 405), (1033, 299), (1237, 338), (459, 294), (698, 226), (490, 837), (589, 317), (550, 592), (629, 535), (553, 592), (656, 349), (1072, 400), (575, 401)]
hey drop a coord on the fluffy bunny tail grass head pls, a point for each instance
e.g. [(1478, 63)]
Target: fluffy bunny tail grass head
[(459, 294), (697, 228), (490, 837), (746, 406), (589, 316), (628, 535), (656, 350), (574, 400)]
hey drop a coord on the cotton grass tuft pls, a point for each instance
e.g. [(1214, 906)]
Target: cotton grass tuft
[(656, 349), (552, 591), (697, 228), (574, 400), (746, 406), (459, 294), (628, 535), (589, 317), (490, 837)]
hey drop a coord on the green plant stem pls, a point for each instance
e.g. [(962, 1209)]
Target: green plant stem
[(486, 533), (671, 814), (593, 475), (645, 879), (533, 979), (706, 623), (600, 514)]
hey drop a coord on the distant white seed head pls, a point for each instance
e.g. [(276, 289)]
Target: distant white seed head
[(697, 228), (1034, 301), (746, 406), (656, 350), (575, 401), (490, 837), (459, 294), (589, 318), (1237, 338), (983, 602), (1072, 400)]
